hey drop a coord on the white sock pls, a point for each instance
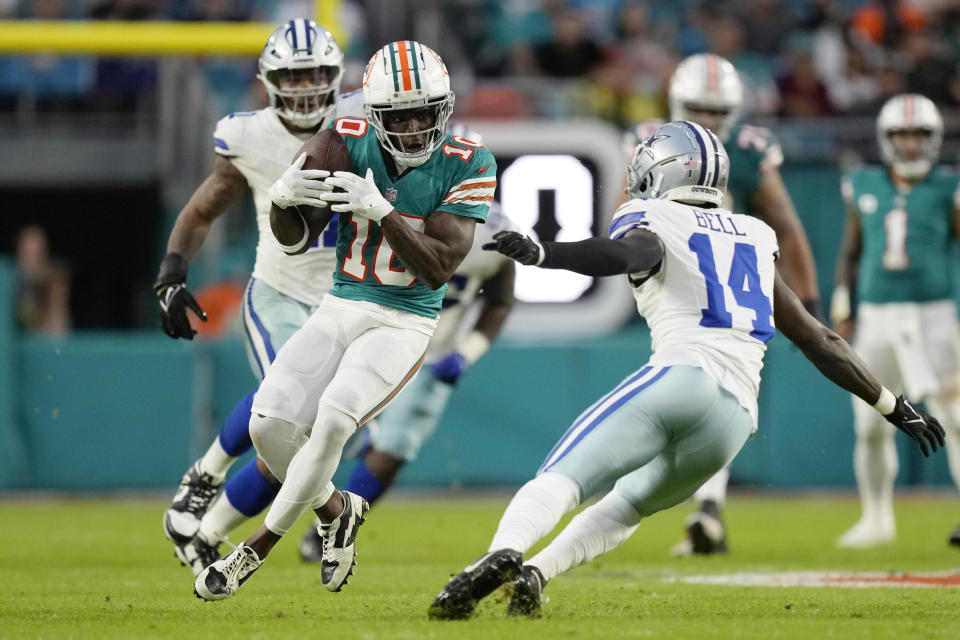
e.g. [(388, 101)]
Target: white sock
[(595, 531), (714, 489), (220, 520), (216, 461), (875, 464), (307, 482), (534, 511)]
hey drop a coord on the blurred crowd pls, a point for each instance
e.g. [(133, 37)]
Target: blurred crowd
[(554, 58)]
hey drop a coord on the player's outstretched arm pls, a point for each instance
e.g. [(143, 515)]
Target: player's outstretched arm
[(637, 251), (210, 200), (837, 361)]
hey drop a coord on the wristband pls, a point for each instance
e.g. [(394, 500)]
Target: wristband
[(474, 346), (886, 403), (291, 249), (840, 304)]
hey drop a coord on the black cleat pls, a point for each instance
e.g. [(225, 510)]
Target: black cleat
[(706, 531), (459, 598), (311, 545), (955, 537), (527, 593), (197, 554)]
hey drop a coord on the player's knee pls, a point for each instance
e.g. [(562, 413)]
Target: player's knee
[(332, 427), (276, 442)]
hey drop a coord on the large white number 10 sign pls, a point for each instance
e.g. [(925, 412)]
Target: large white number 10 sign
[(570, 184)]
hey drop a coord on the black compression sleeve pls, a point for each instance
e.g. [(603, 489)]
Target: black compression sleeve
[(605, 257)]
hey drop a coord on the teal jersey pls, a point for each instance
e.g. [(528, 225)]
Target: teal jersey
[(751, 150), (906, 235), (459, 178)]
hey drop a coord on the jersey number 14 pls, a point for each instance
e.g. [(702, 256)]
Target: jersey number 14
[(743, 282)]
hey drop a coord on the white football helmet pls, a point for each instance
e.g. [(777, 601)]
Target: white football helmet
[(708, 82), (303, 56), (681, 161), (406, 75), (910, 112)]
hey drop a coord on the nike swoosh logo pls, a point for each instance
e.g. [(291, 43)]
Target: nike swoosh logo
[(482, 169)]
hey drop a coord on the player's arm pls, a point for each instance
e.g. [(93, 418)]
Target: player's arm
[(431, 255), (841, 311), (637, 251), (840, 364), (774, 205), (212, 198), (497, 300), (434, 254)]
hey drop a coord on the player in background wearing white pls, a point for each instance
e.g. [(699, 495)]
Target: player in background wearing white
[(301, 67), (404, 229), (706, 89), (706, 282), (902, 222), (484, 279)]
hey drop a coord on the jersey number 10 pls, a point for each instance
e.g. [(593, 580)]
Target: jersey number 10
[(743, 282)]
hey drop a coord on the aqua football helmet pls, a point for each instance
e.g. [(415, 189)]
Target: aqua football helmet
[(403, 78), (706, 83), (301, 67), (910, 112), (681, 161)]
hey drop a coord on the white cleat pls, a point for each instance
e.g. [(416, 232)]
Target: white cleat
[(197, 489), (865, 535), (339, 540), (224, 577)]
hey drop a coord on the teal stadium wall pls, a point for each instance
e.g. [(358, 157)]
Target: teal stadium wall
[(106, 411)]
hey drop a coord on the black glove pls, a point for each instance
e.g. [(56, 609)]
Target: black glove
[(515, 245), (175, 298), (918, 425)]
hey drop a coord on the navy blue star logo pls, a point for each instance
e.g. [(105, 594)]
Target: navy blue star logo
[(649, 142)]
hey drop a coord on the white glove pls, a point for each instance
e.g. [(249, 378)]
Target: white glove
[(360, 197), (299, 186)]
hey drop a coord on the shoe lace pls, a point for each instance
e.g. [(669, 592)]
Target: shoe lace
[(234, 566), (202, 491)]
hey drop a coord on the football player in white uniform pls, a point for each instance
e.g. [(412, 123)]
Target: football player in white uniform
[(706, 89), (705, 280), (301, 67), (485, 278)]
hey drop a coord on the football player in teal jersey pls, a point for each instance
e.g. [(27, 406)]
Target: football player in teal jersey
[(901, 220), (707, 89), (403, 229)]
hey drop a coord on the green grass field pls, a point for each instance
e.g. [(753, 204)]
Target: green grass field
[(102, 569)]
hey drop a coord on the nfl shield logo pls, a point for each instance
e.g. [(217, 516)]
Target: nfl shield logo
[(391, 194)]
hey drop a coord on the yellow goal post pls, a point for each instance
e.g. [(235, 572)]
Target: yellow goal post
[(150, 38)]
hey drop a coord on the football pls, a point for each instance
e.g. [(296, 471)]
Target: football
[(326, 150)]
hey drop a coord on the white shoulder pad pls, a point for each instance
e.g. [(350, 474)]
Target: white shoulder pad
[(350, 104), (228, 136), (631, 215)]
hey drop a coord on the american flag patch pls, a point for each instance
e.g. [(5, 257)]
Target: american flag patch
[(692, 165), (472, 191)]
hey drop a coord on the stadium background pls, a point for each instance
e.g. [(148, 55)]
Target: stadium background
[(105, 131)]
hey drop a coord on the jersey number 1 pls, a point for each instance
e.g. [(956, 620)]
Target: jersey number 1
[(744, 284)]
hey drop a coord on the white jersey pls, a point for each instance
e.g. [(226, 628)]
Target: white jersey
[(711, 303), (261, 148), (466, 282)]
